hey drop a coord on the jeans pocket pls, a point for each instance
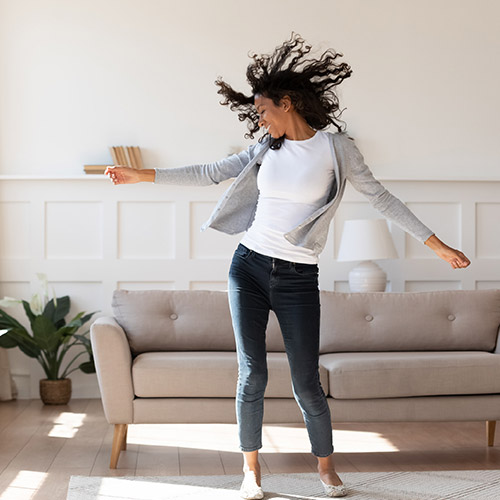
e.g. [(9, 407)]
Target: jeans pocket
[(305, 269)]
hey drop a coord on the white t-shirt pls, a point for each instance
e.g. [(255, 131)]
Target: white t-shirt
[(293, 181)]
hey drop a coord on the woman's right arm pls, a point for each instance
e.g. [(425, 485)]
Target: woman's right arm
[(194, 175)]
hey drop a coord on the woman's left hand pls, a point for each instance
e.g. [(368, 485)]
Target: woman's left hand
[(456, 258)]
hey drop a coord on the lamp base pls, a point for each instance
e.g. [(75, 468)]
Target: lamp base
[(367, 276)]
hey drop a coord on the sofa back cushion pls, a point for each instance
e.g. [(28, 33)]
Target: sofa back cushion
[(181, 320), (199, 320), (411, 321)]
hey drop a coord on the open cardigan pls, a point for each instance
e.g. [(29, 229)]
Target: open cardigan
[(235, 211)]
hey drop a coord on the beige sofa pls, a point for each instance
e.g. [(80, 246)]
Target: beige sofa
[(169, 357)]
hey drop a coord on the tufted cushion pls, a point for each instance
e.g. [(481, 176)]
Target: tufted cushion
[(413, 321), (198, 320), (181, 320)]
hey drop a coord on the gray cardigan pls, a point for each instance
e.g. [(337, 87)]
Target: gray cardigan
[(235, 210)]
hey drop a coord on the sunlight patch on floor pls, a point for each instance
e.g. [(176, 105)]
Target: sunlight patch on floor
[(24, 485), (66, 425), (221, 437), (346, 441), (275, 438)]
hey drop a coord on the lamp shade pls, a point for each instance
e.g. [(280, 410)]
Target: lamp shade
[(366, 239)]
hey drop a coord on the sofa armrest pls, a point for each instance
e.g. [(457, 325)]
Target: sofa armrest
[(113, 362)]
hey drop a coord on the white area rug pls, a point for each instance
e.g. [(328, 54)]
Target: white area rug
[(420, 485)]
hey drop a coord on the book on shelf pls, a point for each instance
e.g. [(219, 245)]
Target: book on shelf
[(114, 157), (134, 156), (94, 169), (129, 156)]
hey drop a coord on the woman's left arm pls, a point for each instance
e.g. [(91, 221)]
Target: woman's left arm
[(361, 177)]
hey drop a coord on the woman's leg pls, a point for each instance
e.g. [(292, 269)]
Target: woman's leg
[(249, 312), (251, 464), (295, 299), (250, 488)]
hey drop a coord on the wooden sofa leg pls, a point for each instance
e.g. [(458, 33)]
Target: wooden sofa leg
[(124, 442), (118, 438), (490, 431)]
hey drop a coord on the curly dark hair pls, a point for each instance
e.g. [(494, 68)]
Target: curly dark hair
[(308, 82)]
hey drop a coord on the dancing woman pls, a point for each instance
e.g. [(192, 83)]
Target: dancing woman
[(287, 189)]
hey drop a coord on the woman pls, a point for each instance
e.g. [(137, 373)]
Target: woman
[(287, 189)]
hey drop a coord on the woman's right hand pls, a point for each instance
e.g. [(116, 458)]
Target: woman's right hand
[(123, 175)]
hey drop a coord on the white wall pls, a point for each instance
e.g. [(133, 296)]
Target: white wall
[(77, 77)]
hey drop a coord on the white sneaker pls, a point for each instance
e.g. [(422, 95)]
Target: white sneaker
[(250, 490), (334, 491)]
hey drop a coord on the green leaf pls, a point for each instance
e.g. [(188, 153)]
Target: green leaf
[(80, 319), (31, 351), (29, 312), (45, 334), (7, 321), (49, 310), (76, 321), (74, 325), (83, 339), (88, 316), (57, 313), (67, 332), (87, 367), (62, 308), (7, 341), (25, 342)]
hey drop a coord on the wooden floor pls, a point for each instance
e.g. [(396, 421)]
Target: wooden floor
[(42, 446)]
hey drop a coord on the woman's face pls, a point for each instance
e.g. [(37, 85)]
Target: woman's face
[(273, 118)]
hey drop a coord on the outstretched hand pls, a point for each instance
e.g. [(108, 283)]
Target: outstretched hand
[(122, 175), (455, 258)]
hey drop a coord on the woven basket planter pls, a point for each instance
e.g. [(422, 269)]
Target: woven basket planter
[(55, 392)]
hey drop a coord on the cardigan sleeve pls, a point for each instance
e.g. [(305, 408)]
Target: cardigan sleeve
[(206, 174), (361, 177)]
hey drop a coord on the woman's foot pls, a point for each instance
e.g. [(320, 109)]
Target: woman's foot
[(330, 477), (334, 491), (331, 482), (250, 488)]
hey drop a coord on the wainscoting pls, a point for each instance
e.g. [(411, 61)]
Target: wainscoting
[(91, 237)]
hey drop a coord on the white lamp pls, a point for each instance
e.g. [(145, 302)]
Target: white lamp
[(366, 240)]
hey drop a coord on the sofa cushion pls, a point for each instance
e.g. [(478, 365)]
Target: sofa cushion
[(205, 374), (366, 375), (181, 320), (451, 320)]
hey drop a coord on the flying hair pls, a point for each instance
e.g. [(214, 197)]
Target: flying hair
[(310, 83)]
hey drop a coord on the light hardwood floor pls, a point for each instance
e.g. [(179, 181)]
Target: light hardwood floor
[(42, 446)]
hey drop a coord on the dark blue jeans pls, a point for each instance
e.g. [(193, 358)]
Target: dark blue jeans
[(257, 284)]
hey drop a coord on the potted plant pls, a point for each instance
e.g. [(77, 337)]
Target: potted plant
[(49, 341)]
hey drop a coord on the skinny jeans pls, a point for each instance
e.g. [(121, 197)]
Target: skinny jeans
[(258, 284)]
